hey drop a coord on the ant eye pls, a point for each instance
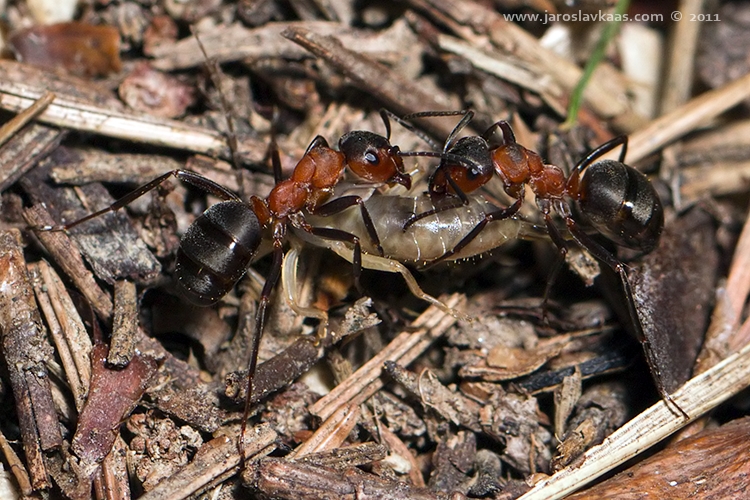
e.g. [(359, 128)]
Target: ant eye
[(473, 173), (371, 158)]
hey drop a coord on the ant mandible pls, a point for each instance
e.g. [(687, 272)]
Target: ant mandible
[(220, 244), (615, 199)]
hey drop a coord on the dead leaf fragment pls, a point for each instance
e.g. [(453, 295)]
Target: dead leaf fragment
[(78, 48)]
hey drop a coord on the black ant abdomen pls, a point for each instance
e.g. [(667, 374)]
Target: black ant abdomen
[(621, 204), (215, 251)]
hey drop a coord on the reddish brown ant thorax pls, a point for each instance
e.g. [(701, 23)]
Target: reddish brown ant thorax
[(516, 165), (321, 167), (287, 197), (550, 182)]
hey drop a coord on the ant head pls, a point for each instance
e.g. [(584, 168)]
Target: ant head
[(371, 157), (473, 154)]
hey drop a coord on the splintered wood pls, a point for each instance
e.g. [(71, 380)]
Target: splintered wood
[(25, 351)]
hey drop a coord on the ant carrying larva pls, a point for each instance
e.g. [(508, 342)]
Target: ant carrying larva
[(613, 198), (220, 244)]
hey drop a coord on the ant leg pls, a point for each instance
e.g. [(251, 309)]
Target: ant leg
[(499, 214), (187, 176), (393, 266), (458, 191), (508, 136), (464, 200), (319, 141), (260, 322), (562, 251), (339, 235), (610, 260), (276, 159), (620, 140), (273, 149), (341, 204), (436, 210)]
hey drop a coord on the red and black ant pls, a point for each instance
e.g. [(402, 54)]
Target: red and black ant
[(615, 199), (219, 245)]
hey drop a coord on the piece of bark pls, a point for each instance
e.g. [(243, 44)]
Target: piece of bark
[(400, 458), (66, 328), (113, 394), (565, 397), (124, 325), (69, 259), (215, 459), (515, 420), (347, 456), (618, 358), (277, 372), (110, 243), (398, 94), (68, 475), (114, 472), (278, 478), (709, 465), (25, 149), (94, 165), (673, 290), (599, 411), (236, 43), (25, 350), (452, 461), (452, 406), (298, 358), (506, 363), (81, 105)]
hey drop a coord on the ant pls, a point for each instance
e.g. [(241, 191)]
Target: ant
[(220, 244), (615, 199)]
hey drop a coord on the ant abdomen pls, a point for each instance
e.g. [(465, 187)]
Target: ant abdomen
[(622, 204), (215, 251)]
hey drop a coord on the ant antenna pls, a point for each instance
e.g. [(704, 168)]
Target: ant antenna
[(461, 160), (386, 114), (467, 116)]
